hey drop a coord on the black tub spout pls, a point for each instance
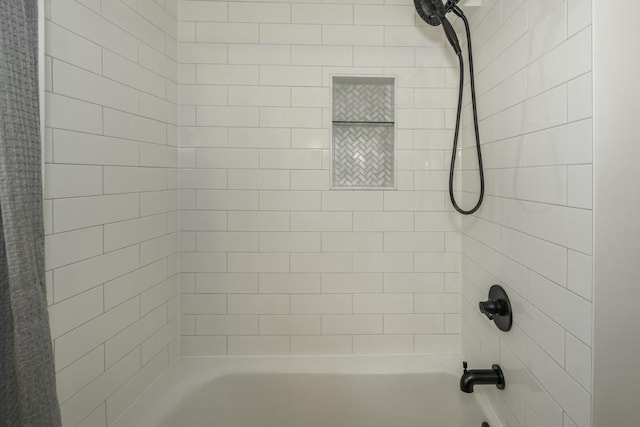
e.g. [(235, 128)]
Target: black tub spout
[(473, 377)]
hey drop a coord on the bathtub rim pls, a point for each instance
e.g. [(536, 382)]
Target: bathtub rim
[(189, 373)]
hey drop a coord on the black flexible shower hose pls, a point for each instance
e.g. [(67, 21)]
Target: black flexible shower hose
[(459, 13)]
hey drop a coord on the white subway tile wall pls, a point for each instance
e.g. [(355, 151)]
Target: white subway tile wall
[(534, 233), (111, 190), (273, 261), (220, 110)]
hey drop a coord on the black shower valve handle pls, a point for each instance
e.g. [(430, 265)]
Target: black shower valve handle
[(483, 309), (492, 307), (498, 308)]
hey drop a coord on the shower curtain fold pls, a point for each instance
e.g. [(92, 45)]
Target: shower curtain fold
[(27, 376)]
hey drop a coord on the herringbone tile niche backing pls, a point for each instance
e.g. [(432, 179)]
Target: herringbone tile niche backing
[(363, 132)]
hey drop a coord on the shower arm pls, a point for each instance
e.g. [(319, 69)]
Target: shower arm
[(450, 5)]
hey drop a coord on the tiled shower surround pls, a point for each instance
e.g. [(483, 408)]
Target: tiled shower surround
[(265, 256), (534, 232), (111, 208), (273, 260)]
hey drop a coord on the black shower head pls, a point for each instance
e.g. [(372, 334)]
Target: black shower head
[(430, 11), (433, 13)]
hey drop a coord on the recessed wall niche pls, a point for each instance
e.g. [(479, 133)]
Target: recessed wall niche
[(363, 146)]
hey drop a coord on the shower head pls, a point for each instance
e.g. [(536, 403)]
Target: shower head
[(433, 13)]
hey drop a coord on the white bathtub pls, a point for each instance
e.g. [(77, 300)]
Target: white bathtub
[(291, 391)]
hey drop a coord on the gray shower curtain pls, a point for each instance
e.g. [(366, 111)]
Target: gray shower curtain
[(27, 376)]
